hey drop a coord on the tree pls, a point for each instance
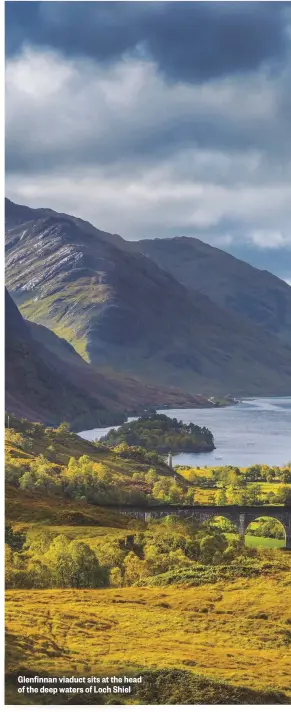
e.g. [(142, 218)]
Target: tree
[(110, 554), (220, 498), (59, 562), (13, 470), (253, 473), (63, 428), (14, 538), (286, 476), (161, 488), (102, 473), (235, 478), (176, 494), (8, 565), (74, 564), (26, 481), (17, 439), (43, 474), (15, 569), (151, 476), (284, 495), (160, 433), (178, 559), (269, 528), (38, 575), (211, 546), (267, 473), (253, 494), (86, 571), (190, 496), (38, 540), (115, 577), (134, 568)]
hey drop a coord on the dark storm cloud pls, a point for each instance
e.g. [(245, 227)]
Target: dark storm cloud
[(153, 119), (192, 41)]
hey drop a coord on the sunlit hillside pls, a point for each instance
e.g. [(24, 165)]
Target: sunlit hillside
[(200, 613)]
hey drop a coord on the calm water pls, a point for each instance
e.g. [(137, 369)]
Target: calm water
[(255, 431)]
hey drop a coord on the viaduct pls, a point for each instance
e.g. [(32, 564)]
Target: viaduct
[(240, 515)]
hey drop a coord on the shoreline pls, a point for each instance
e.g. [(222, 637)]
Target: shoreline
[(211, 403)]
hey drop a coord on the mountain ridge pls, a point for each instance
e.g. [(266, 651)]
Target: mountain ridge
[(121, 310), (228, 281)]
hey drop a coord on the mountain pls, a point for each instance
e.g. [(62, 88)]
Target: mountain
[(119, 309), (229, 282), (37, 384), (46, 380)]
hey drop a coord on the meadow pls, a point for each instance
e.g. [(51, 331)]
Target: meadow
[(236, 633)]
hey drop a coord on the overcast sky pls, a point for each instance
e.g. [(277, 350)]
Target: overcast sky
[(155, 119)]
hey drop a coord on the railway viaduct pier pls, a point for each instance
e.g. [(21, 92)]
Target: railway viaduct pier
[(241, 516)]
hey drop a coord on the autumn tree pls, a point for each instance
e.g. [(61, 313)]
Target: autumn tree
[(115, 578), (134, 568)]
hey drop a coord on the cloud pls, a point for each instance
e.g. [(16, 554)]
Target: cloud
[(188, 41), (271, 239), (71, 110), (120, 137)]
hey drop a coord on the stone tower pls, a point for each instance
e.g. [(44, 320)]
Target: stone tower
[(170, 460)]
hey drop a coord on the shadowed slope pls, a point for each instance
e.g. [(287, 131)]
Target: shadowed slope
[(119, 308), (230, 283), (47, 380)]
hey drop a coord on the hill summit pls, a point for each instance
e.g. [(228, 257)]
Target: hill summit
[(119, 309)]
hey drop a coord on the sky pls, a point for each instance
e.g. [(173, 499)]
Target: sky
[(155, 119)]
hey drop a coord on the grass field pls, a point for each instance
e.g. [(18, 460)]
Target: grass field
[(202, 495), (260, 542), (263, 542), (238, 633)]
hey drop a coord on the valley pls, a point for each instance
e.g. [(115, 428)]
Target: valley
[(99, 335), (47, 380)]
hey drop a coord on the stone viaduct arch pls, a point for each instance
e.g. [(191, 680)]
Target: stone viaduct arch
[(240, 516)]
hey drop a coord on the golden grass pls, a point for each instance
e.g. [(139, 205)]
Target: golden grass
[(237, 632), (200, 472), (24, 509)]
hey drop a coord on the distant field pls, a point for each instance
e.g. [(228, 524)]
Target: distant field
[(260, 541), (237, 632)]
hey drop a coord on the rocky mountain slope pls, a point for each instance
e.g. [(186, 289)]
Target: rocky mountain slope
[(47, 381), (118, 308), (231, 283)]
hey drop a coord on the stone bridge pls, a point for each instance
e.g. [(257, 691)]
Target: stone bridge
[(241, 516)]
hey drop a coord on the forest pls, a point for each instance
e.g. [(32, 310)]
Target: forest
[(162, 434), (48, 558)]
